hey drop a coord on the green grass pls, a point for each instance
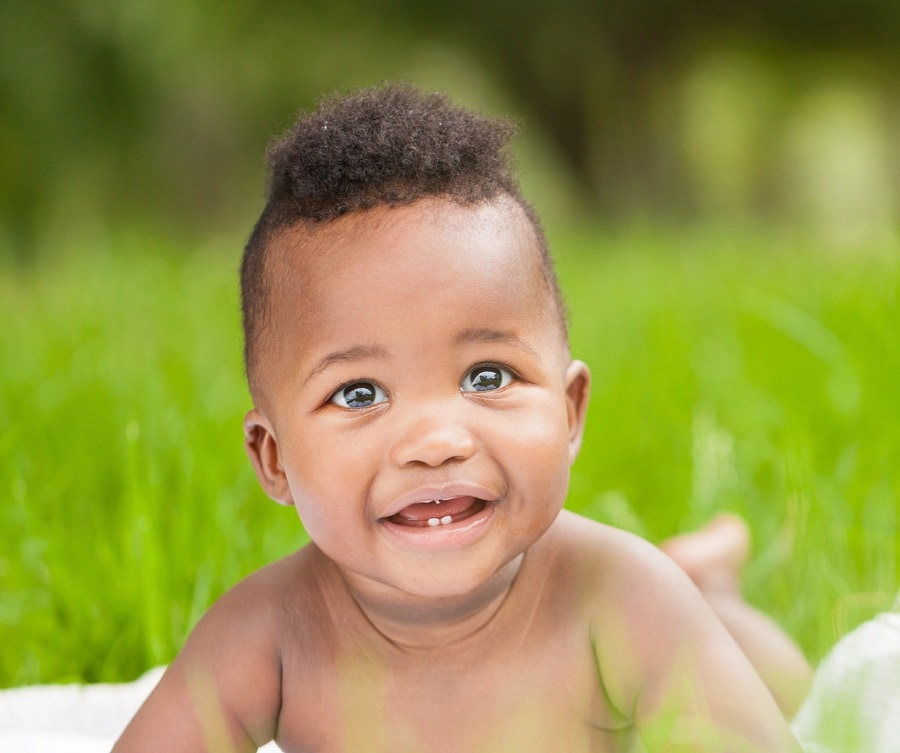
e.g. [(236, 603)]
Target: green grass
[(755, 375)]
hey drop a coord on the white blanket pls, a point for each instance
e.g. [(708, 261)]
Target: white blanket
[(854, 703), (72, 718)]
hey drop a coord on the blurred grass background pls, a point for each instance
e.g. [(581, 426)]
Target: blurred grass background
[(720, 183), (730, 372)]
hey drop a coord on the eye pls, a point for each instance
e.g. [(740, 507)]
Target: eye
[(485, 378), (358, 395)]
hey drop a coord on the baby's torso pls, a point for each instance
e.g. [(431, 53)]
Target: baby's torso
[(527, 681), (365, 707)]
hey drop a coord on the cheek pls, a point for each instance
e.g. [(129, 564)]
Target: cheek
[(330, 473), (538, 443), (320, 478)]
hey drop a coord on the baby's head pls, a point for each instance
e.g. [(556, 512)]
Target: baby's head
[(381, 147), (406, 345)]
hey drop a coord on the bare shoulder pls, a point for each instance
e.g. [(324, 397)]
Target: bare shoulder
[(613, 563), (629, 589), (262, 599), (223, 690), (661, 654)]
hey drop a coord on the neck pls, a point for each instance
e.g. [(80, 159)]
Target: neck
[(416, 623)]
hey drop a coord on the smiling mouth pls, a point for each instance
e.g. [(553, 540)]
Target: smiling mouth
[(438, 512)]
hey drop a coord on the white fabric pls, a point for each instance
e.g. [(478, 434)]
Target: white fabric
[(854, 703), (73, 718)]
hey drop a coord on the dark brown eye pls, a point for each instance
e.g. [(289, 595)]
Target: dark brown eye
[(359, 395), (485, 378)]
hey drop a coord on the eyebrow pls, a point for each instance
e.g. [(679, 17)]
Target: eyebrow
[(356, 353), (487, 335), (466, 337)]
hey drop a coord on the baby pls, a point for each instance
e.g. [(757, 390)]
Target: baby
[(415, 400)]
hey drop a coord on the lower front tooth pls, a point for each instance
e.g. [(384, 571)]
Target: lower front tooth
[(434, 522), (446, 519)]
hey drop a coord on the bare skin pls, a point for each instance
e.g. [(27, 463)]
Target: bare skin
[(420, 410), (714, 557)]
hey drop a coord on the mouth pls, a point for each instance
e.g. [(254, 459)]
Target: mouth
[(443, 517), (436, 513)]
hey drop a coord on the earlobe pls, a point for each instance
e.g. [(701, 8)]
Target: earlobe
[(262, 448), (578, 388)]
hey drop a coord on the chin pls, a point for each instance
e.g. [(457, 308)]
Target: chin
[(453, 582)]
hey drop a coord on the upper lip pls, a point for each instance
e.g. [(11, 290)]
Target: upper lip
[(432, 492)]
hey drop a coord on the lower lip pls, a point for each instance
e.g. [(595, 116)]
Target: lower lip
[(451, 536)]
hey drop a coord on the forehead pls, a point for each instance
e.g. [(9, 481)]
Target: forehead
[(419, 269), (498, 228), (398, 249)]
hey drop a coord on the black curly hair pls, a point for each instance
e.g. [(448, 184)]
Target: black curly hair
[(384, 146)]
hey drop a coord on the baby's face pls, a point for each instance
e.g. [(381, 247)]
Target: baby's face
[(417, 405)]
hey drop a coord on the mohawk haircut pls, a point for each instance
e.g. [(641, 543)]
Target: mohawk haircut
[(384, 146)]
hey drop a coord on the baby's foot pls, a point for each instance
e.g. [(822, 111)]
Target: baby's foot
[(715, 555)]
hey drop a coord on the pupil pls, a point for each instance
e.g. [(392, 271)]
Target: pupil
[(359, 395), (486, 379)]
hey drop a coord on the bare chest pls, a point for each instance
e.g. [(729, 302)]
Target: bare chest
[(498, 696)]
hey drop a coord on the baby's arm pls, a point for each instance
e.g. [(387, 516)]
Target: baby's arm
[(222, 692), (677, 672)]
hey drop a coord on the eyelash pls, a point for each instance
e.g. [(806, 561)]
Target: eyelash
[(343, 396)]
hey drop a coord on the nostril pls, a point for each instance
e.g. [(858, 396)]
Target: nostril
[(434, 445)]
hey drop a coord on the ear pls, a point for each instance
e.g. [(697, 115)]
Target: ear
[(578, 388), (262, 447)]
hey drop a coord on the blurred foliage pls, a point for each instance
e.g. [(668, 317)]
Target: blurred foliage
[(730, 371), (157, 113)]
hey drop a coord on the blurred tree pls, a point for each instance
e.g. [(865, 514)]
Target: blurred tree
[(142, 111), (602, 76)]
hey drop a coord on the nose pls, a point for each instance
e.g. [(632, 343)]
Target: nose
[(433, 438)]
